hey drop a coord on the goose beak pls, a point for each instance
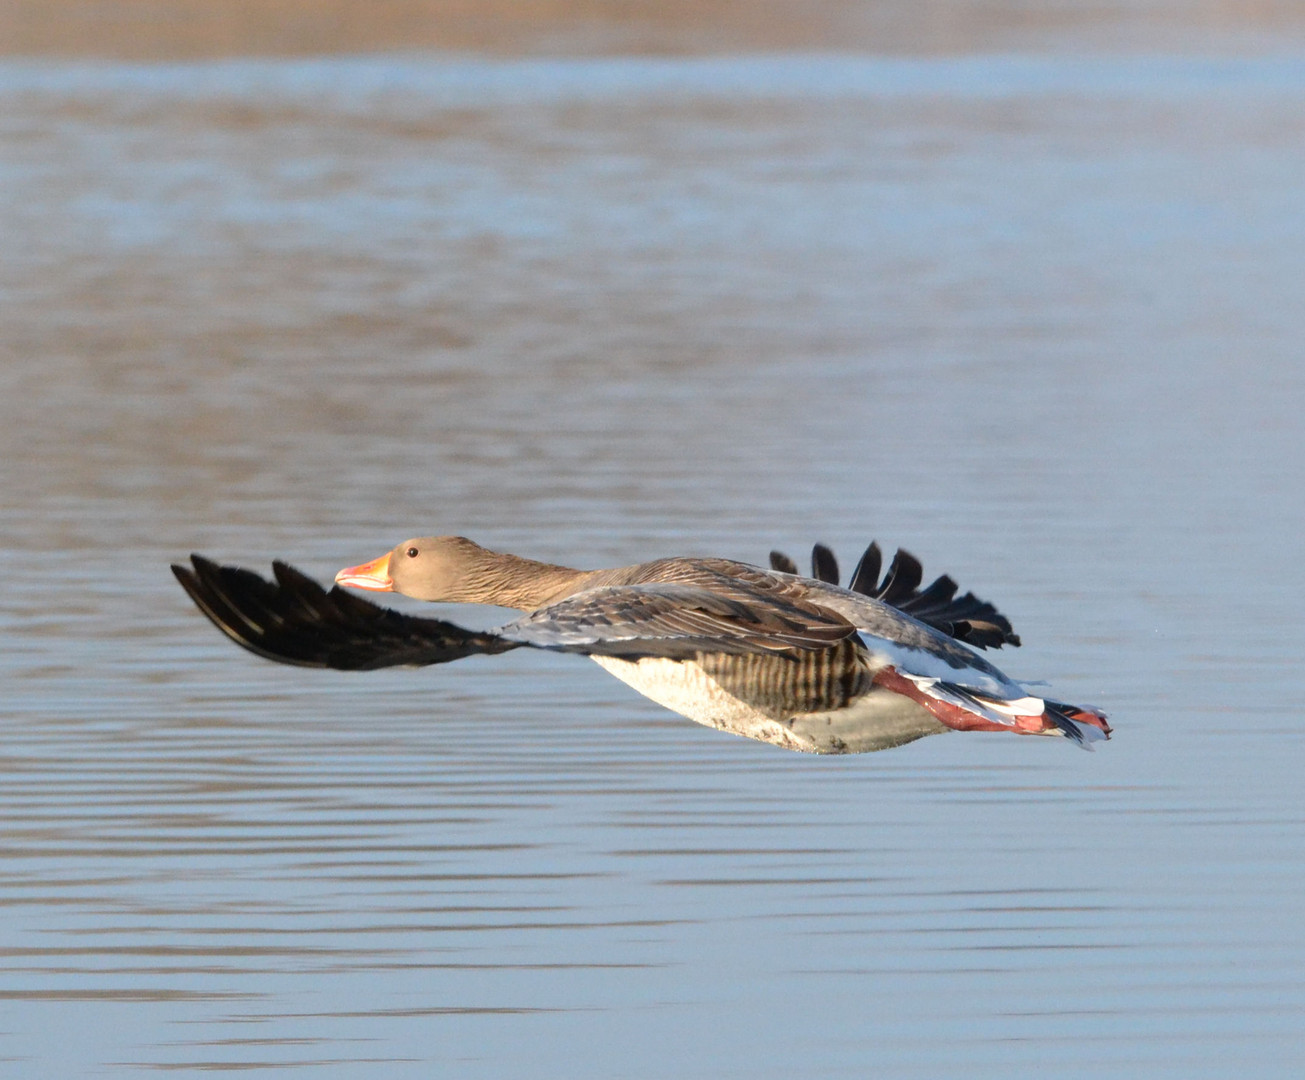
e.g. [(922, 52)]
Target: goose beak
[(373, 575)]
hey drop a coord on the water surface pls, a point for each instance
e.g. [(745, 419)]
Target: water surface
[(1037, 321)]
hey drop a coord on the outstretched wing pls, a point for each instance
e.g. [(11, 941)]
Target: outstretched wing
[(675, 620), (295, 621), (966, 618)]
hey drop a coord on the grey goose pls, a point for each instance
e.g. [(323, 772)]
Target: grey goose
[(766, 653)]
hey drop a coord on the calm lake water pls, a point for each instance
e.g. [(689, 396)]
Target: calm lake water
[(1038, 321)]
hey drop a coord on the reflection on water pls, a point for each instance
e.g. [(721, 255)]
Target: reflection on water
[(214, 28), (1036, 322)]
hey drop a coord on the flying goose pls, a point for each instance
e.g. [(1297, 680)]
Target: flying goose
[(765, 653)]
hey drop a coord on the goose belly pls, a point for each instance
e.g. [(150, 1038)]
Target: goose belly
[(823, 703)]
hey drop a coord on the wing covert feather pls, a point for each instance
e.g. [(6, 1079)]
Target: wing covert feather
[(671, 619)]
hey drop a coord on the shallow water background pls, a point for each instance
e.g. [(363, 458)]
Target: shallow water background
[(1035, 316)]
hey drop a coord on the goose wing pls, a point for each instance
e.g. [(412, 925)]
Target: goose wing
[(966, 618), (293, 620), (677, 620)]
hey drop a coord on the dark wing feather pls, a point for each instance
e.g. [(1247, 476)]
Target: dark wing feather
[(676, 620), (781, 562), (904, 575), (824, 567), (969, 619), (293, 620), (866, 574)]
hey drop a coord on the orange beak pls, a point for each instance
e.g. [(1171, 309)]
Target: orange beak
[(373, 575)]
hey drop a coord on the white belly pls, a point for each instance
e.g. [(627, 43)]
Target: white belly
[(876, 719)]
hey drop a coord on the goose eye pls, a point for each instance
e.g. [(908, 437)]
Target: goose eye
[(412, 553)]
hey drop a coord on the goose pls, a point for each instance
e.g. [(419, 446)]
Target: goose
[(766, 653)]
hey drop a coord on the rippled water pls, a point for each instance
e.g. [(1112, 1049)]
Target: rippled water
[(1037, 321)]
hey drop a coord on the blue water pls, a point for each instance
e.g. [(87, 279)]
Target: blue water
[(1037, 321)]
